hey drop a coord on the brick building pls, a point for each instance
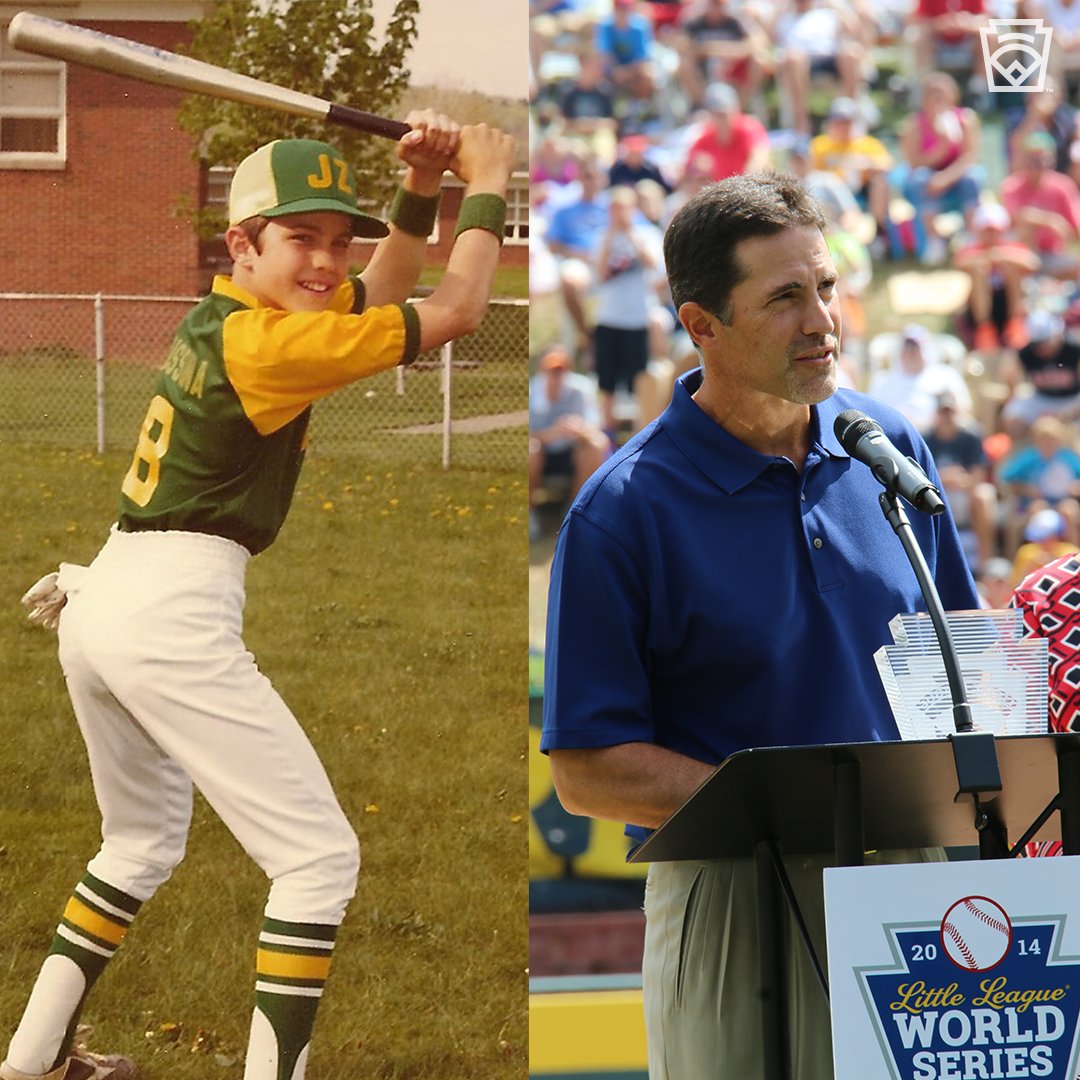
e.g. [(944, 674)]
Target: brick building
[(93, 167)]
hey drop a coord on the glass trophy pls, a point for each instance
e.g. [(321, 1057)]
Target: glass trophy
[(1005, 674)]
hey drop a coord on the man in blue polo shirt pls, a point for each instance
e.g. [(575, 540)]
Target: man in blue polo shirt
[(723, 582), (573, 236)]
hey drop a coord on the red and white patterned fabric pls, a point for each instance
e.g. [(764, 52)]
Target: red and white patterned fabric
[(1050, 601)]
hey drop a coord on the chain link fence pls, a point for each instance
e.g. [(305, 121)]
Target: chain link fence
[(76, 371)]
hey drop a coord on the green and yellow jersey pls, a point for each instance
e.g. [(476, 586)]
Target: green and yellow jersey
[(222, 444)]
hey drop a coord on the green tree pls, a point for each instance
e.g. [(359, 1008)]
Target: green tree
[(327, 48)]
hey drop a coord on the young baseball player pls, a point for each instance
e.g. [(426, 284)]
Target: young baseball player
[(165, 693)]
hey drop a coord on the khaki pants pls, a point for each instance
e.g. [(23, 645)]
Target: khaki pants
[(700, 969)]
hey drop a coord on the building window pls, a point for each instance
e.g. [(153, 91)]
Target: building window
[(32, 110), (517, 209)]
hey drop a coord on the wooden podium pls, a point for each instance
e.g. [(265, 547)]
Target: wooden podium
[(844, 800)]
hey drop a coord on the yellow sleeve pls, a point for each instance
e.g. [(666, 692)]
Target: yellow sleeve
[(820, 148), (349, 298), (279, 362), (875, 149)]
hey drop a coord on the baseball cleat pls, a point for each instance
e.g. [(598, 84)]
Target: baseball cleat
[(83, 1065), (8, 1073)]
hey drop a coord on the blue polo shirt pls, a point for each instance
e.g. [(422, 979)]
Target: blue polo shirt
[(709, 598)]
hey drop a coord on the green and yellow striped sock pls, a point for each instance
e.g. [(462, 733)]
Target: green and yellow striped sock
[(94, 924), (92, 927), (291, 968)]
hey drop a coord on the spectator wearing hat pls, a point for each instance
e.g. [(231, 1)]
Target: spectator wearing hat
[(860, 160), (1045, 206), (940, 172), (587, 105), (815, 38), (632, 165), (1045, 373), (566, 444), (717, 44), (997, 265), (732, 141), (1044, 473), (914, 382), (956, 445), (1045, 539)]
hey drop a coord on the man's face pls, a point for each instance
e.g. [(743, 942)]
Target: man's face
[(784, 333), (301, 261)]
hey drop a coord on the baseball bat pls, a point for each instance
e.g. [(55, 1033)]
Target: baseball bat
[(50, 37)]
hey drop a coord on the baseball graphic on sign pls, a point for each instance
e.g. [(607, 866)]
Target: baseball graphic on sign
[(976, 933)]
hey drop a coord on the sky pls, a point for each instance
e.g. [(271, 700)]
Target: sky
[(469, 44)]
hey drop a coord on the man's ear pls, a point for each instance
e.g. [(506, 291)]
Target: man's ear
[(700, 324), (241, 249)]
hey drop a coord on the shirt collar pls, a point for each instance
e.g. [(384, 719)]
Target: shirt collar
[(824, 419), (225, 286), (726, 460)]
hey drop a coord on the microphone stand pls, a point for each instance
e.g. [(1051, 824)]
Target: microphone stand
[(974, 752)]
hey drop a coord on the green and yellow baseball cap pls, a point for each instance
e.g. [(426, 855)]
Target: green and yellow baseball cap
[(297, 176)]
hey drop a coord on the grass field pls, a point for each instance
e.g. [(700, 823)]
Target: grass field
[(391, 615)]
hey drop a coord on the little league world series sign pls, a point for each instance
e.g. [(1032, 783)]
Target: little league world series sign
[(955, 971), (1016, 54)]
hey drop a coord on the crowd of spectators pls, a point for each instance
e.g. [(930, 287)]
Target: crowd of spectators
[(884, 109)]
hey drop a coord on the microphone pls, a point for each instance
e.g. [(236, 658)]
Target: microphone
[(863, 438)]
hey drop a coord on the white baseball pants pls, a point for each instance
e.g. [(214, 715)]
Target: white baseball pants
[(167, 695)]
